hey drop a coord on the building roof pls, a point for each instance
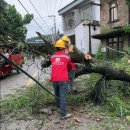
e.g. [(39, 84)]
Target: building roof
[(72, 5), (111, 34)]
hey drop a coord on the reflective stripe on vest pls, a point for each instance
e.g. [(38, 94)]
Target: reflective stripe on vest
[(60, 56)]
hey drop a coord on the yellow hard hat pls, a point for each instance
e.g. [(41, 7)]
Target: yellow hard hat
[(60, 44), (65, 38)]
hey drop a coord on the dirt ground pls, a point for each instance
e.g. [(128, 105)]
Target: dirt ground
[(49, 119)]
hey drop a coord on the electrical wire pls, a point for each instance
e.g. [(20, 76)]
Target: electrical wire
[(38, 13), (33, 18), (28, 75), (116, 50), (10, 34), (32, 50), (16, 36)]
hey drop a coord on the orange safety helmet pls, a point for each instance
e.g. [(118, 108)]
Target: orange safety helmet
[(60, 44)]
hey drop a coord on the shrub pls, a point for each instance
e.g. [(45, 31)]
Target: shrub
[(117, 106), (99, 54)]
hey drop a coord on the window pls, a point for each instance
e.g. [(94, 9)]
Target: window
[(113, 11), (116, 44), (86, 13), (70, 20)]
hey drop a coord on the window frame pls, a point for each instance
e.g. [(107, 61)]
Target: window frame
[(111, 11), (111, 42), (68, 17)]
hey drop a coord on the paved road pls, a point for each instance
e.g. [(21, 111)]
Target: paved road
[(15, 82)]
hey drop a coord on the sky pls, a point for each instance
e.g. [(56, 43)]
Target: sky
[(45, 9)]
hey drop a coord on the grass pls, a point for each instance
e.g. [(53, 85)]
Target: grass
[(26, 102), (34, 97), (31, 98)]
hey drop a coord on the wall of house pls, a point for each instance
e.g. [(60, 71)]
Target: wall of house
[(82, 38), (83, 12), (122, 14), (81, 33), (96, 11), (69, 32), (95, 43)]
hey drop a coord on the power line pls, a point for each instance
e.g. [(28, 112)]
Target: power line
[(16, 36), (38, 13), (12, 35), (54, 19), (9, 33), (115, 50), (33, 18), (28, 75)]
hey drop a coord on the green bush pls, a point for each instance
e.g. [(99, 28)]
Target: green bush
[(105, 30), (124, 88), (117, 106), (122, 64), (99, 54)]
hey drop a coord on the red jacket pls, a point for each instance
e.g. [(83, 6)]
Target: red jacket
[(61, 65), (73, 66)]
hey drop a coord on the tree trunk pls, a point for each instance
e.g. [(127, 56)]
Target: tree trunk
[(78, 57)]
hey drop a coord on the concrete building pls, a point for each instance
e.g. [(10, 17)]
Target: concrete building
[(115, 17), (81, 20)]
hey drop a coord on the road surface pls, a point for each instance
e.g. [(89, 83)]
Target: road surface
[(15, 82)]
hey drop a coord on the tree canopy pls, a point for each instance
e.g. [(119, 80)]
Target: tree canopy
[(12, 23)]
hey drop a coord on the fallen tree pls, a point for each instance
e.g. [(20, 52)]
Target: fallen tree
[(107, 72), (46, 49), (89, 66)]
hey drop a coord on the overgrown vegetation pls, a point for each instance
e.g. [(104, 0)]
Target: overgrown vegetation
[(125, 28), (31, 99), (100, 55), (115, 95), (12, 24), (122, 64), (128, 2)]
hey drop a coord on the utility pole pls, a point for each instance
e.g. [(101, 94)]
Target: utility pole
[(54, 19), (52, 37), (90, 44)]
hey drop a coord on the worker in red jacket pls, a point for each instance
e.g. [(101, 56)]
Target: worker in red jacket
[(69, 48), (61, 65)]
